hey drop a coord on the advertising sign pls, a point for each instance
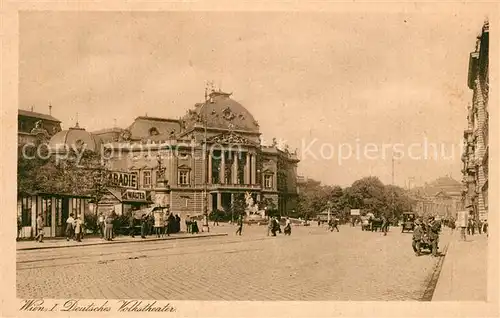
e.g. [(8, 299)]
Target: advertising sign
[(124, 179), (135, 195), (462, 218), (355, 211)]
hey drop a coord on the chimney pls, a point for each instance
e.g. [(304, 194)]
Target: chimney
[(32, 107), (50, 109)]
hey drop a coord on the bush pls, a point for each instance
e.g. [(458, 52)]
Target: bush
[(91, 222)]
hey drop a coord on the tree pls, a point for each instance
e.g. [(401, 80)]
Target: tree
[(368, 194), (71, 173)]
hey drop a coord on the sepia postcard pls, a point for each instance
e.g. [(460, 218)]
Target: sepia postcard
[(249, 159)]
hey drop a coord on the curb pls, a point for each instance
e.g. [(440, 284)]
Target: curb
[(123, 242), (434, 279)]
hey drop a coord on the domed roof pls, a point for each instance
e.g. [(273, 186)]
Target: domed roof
[(222, 112), (75, 138)]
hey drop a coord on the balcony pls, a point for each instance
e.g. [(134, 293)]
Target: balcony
[(217, 186)]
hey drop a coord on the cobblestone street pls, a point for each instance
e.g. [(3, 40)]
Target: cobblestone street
[(312, 264)]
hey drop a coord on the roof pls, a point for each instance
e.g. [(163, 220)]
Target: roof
[(26, 113), (74, 138), (221, 112), (142, 126), (107, 130)]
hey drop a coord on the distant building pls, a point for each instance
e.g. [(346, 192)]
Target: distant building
[(476, 146), (441, 197), (35, 127)]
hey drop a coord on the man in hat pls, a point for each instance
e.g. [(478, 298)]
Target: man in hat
[(418, 234), (433, 232)]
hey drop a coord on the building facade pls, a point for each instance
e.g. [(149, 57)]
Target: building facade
[(203, 161), (33, 127), (36, 129), (442, 198), (475, 155)]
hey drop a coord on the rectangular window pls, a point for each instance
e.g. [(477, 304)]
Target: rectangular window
[(76, 207), (47, 211), (59, 212), (268, 181), (26, 206), (146, 181), (183, 177)]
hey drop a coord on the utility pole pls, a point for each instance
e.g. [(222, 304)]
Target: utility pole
[(205, 151)]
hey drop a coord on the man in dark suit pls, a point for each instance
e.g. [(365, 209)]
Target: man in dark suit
[(433, 232)]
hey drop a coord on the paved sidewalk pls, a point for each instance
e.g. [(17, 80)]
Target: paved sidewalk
[(62, 243), (464, 273)]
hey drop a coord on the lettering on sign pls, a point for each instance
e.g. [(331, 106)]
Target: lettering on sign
[(124, 179), (134, 195)]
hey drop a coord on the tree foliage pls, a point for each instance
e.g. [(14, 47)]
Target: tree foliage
[(368, 194), (74, 173)]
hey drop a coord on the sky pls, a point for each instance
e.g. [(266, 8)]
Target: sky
[(321, 82)]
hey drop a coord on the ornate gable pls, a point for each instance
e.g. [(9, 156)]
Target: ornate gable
[(230, 138)]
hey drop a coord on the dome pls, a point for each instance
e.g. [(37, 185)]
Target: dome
[(222, 112), (75, 138)]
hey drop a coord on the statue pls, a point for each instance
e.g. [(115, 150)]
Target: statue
[(251, 208), (274, 142)]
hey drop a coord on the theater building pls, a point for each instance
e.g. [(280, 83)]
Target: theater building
[(204, 160)]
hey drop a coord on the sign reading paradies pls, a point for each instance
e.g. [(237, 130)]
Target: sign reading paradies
[(124, 179)]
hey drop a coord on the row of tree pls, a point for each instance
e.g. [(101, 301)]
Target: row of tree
[(368, 194)]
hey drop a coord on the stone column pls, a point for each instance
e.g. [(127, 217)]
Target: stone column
[(253, 170), (247, 169), (209, 168), (222, 168), (219, 201), (235, 168)]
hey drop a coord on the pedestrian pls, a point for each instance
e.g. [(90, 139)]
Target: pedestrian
[(78, 229), (479, 227), (385, 224), (177, 223), (274, 227), (19, 227), (70, 223), (101, 224), (335, 223), (144, 226), (188, 224), (288, 227), (158, 223), (433, 233), (131, 224), (240, 225), (40, 224), (418, 234), (270, 225), (108, 228), (194, 227)]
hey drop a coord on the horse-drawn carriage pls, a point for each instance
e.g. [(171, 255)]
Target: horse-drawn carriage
[(408, 222)]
